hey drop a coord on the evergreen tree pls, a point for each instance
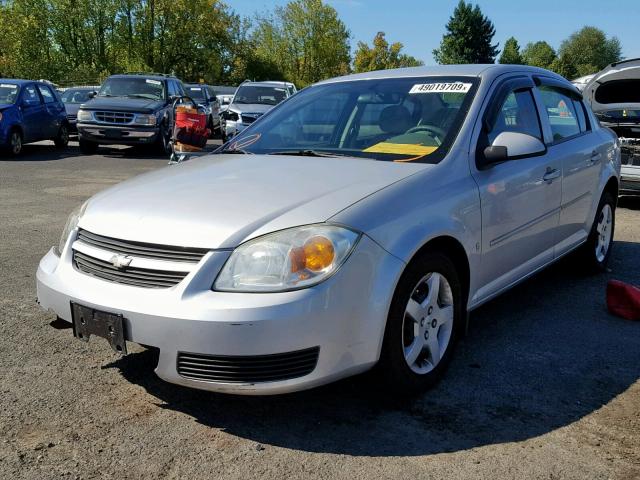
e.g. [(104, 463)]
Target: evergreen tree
[(511, 53), (468, 38)]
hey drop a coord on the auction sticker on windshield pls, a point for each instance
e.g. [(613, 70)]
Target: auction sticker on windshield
[(456, 87), (153, 82), (7, 85)]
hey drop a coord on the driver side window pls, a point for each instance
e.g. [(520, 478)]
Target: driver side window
[(517, 114), (30, 95)]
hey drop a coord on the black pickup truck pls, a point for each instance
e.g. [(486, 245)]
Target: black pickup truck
[(130, 109)]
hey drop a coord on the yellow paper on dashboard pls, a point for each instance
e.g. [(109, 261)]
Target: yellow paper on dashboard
[(401, 149)]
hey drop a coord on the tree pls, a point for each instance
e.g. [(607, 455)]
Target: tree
[(468, 38), (511, 53), (382, 56), (590, 50), (538, 54), (563, 65)]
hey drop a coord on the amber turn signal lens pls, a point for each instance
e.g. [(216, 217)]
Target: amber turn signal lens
[(316, 254)]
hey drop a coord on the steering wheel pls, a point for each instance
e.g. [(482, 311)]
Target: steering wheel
[(439, 133)]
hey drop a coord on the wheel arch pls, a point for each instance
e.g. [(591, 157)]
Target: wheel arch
[(455, 251), (612, 186)]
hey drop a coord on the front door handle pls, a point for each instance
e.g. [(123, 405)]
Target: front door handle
[(551, 174)]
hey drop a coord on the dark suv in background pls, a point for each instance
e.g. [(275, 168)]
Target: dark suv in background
[(130, 109)]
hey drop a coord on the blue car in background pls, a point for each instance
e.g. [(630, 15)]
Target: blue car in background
[(29, 112)]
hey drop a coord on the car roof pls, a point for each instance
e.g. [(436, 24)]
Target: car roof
[(484, 71), (17, 81), (152, 76), (268, 83)]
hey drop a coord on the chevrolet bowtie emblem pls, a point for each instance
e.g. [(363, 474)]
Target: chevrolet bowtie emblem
[(120, 261)]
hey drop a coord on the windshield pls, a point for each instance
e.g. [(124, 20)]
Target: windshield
[(8, 93), (76, 96), (197, 93), (260, 95), (397, 119), (132, 87)]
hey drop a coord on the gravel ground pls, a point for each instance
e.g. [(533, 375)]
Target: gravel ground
[(544, 386)]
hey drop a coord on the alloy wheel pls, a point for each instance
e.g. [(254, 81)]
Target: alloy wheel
[(428, 323), (603, 229), (16, 143)]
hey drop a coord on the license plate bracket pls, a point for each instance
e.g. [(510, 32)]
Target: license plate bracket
[(88, 321)]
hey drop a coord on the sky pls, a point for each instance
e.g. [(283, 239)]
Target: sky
[(420, 24)]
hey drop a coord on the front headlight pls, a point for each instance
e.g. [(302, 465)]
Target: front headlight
[(145, 120), (0, 116), (287, 260), (72, 223), (84, 116)]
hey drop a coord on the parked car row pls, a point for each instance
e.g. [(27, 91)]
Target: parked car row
[(127, 109)]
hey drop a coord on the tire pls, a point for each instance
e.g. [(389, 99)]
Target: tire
[(163, 144), (596, 251), (430, 338), (87, 147), (14, 146), (62, 139)]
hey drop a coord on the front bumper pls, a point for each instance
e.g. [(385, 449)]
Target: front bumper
[(630, 181), (117, 135), (344, 316), (232, 128)]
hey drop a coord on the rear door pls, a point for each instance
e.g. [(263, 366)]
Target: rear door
[(51, 113), (520, 198), (33, 112), (569, 137)]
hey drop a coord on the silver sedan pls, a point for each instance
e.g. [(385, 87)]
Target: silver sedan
[(356, 224)]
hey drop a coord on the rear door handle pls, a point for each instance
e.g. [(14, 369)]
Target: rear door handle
[(551, 174), (595, 156)]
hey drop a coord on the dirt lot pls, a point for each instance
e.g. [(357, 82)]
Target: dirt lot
[(544, 386)]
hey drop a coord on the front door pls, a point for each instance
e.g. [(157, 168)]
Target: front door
[(52, 112), (520, 198)]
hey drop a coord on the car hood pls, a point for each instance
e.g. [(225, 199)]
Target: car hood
[(72, 108), (219, 201), (4, 106), (250, 107), (123, 104)]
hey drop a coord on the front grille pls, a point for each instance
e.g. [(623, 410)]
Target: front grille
[(250, 117), (139, 277), (247, 369), (116, 118), (71, 117), (144, 250)]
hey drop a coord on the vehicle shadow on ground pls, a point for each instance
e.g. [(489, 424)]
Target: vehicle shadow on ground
[(538, 358), (41, 152), (630, 202)]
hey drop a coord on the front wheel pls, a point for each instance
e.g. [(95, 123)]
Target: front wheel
[(596, 251), (62, 139), (423, 324), (164, 140), (15, 143)]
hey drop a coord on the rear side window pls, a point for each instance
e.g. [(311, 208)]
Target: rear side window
[(517, 114), (30, 95), (561, 113), (47, 94)]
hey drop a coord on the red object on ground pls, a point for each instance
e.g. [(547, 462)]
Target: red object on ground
[(623, 300)]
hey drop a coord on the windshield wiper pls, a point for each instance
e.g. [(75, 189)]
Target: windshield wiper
[(306, 153), (135, 95)]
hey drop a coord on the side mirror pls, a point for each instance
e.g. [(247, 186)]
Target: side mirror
[(511, 146), (93, 94)]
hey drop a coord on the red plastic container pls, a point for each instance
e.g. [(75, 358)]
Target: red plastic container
[(623, 300), (190, 118)]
